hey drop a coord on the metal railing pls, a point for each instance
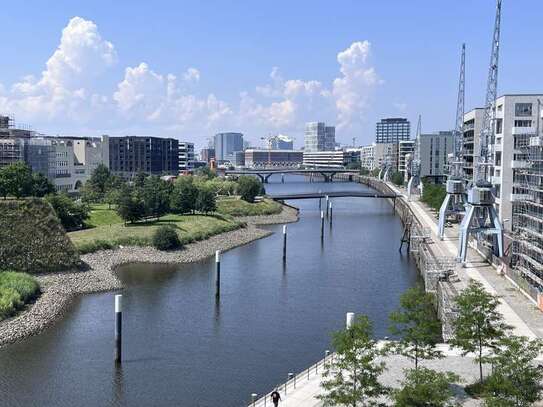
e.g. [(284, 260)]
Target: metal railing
[(292, 381)]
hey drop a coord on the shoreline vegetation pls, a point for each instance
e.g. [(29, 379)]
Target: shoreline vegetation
[(59, 289)]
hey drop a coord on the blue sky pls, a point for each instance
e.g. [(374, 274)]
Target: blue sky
[(257, 67)]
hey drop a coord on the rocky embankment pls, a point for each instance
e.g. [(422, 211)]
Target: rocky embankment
[(59, 289)]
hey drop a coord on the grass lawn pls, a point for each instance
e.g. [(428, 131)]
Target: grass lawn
[(237, 207), (101, 215), (190, 228), (16, 289)]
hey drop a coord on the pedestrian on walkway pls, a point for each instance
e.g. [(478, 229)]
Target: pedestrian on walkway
[(275, 396)]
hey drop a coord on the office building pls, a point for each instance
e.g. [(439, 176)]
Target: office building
[(392, 130), (207, 154), (226, 144), (405, 148), (434, 150), (280, 142), (319, 137), (186, 156), (330, 159), (367, 157), (152, 155), (75, 158), (386, 154), (255, 158)]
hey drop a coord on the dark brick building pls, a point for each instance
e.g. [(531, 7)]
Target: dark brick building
[(152, 155)]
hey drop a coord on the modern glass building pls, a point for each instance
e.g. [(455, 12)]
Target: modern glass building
[(226, 144), (392, 130), (319, 137)]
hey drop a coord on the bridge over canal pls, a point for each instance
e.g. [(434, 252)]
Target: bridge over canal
[(265, 174), (338, 194)]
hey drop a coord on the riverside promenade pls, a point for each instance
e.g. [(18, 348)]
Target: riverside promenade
[(518, 311)]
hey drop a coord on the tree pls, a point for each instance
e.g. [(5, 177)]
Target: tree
[(375, 172), (112, 197), (249, 188), (184, 194), (130, 208), (352, 377), (433, 195), (139, 179), (71, 214), (156, 196), (364, 171), (89, 195), (166, 238), (425, 387), (99, 179), (41, 186), (206, 172), (205, 201), (17, 179), (515, 380), (397, 178), (478, 324), (417, 325)]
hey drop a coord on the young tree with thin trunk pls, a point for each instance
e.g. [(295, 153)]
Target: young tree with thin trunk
[(479, 325), (352, 377), (425, 387), (417, 326)]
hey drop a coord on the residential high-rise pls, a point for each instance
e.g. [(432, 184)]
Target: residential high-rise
[(152, 155), (434, 149), (186, 156), (226, 144), (392, 130), (319, 137)]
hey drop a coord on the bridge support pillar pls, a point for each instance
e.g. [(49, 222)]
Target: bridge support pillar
[(262, 179)]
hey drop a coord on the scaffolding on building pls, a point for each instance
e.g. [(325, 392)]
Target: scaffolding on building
[(527, 226)]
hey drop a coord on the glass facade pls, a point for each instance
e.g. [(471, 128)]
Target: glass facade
[(392, 130), (226, 144), (319, 137)]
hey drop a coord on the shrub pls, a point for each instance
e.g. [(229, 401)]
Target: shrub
[(71, 214), (16, 289), (165, 238), (433, 195), (249, 188)]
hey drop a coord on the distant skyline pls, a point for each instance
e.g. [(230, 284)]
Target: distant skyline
[(191, 69)]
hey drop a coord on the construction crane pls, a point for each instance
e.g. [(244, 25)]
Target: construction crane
[(481, 218), (414, 164), (455, 200)]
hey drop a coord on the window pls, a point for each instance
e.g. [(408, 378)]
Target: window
[(499, 126), (523, 109), (523, 123)]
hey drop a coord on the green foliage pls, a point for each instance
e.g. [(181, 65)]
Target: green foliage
[(417, 325), (397, 178), (16, 180), (433, 195), (205, 201), (355, 165), (139, 179), (205, 172), (425, 388), (352, 377), (16, 289), (71, 214), (130, 207), (478, 324), (364, 171), (41, 186), (238, 207), (221, 186), (99, 179), (515, 380), (165, 238), (375, 172), (32, 239), (112, 197), (184, 194), (156, 196), (249, 188)]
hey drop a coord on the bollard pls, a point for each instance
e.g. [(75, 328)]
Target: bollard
[(284, 242), (326, 354), (282, 178), (253, 398), (349, 320), (290, 377), (322, 225), (331, 213), (118, 327), (327, 202), (218, 273)]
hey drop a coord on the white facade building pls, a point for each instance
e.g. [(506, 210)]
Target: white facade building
[(434, 149), (405, 147), (186, 156), (319, 137), (337, 158), (367, 157), (75, 158)]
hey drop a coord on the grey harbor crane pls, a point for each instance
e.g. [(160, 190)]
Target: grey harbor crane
[(455, 200), (413, 163), (481, 218)]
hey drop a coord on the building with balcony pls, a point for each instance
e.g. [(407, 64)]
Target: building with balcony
[(405, 148), (151, 155), (186, 156), (434, 149), (367, 157)]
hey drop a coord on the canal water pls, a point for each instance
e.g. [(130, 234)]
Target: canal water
[(181, 348)]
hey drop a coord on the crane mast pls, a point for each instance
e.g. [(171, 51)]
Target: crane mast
[(481, 218), (454, 202)]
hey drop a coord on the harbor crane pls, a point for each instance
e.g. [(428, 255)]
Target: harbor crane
[(414, 164), (481, 218), (455, 200)]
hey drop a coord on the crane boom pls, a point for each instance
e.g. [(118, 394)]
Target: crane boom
[(459, 124)]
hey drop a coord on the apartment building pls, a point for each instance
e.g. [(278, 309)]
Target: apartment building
[(392, 130), (186, 156), (433, 152), (319, 137), (405, 148), (367, 157), (473, 121)]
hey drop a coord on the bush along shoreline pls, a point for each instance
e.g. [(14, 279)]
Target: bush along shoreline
[(16, 291)]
